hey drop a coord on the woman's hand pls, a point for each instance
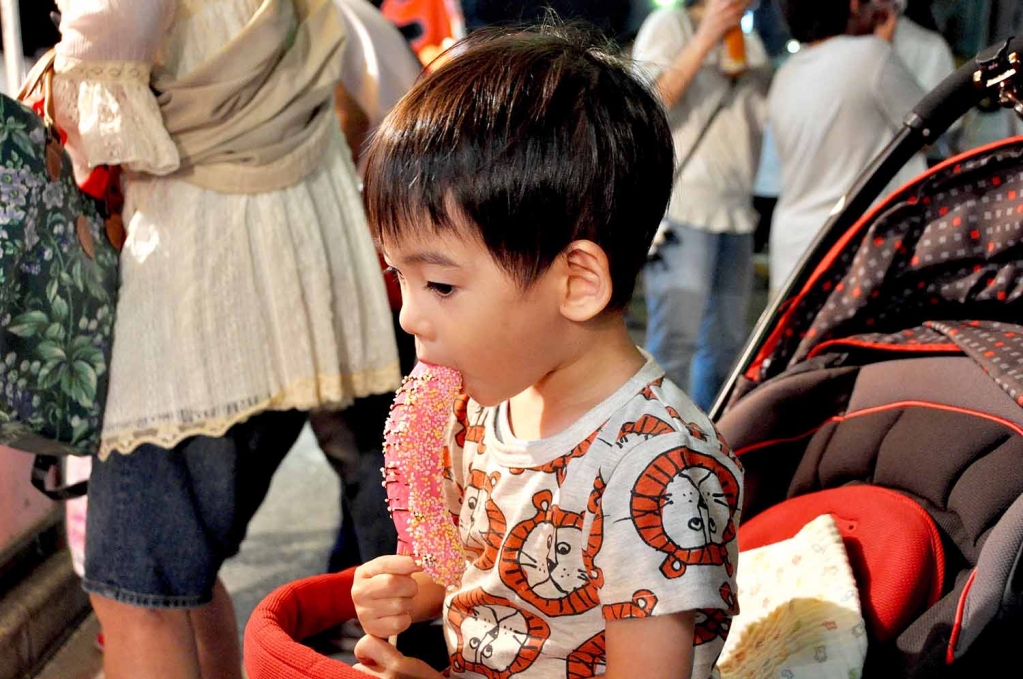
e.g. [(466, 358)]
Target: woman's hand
[(378, 658)]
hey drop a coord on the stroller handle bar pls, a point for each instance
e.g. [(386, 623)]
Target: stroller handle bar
[(995, 72)]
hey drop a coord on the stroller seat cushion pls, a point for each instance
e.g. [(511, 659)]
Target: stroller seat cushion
[(892, 543)]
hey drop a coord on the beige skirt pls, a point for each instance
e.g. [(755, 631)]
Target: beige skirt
[(234, 304)]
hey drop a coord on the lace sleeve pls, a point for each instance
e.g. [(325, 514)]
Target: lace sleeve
[(101, 87), (111, 117)]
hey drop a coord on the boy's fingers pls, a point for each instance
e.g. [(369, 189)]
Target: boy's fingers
[(390, 587), (388, 625), (380, 659), (377, 654), (359, 667), (389, 565)]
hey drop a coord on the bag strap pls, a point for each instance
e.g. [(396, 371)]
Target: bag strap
[(41, 468), (42, 73), (722, 102)]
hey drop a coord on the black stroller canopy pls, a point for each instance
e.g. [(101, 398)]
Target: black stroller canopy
[(945, 249)]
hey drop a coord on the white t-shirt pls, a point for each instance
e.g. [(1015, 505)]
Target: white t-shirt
[(832, 108), (630, 512), (378, 66), (925, 53), (715, 190)]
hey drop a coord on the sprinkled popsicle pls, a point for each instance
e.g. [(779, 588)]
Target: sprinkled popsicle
[(413, 472)]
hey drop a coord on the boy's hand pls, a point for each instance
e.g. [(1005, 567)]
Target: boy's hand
[(718, 18), (383, 593), (378, 658)]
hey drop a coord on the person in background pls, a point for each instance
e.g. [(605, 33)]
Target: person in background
[(250, 294), (377, 68), (833, 106), (928, 57), (700, 280)]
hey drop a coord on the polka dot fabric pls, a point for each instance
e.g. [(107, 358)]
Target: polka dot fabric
[(945, 249), (997, 347)]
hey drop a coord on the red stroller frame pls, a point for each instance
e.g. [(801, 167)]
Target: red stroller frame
[(884, 386)]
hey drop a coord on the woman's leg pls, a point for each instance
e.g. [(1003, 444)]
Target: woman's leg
[(146, 643), (216, 636), (176, 643), (725, 327), (160, 524), (677, 286)]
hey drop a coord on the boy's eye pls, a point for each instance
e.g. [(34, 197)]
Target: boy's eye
[(440, 289), (391, 271)]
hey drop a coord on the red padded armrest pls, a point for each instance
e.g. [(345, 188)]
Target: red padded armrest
[(291, 613)]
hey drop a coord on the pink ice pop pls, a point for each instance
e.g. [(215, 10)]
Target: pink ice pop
[(413, 472)]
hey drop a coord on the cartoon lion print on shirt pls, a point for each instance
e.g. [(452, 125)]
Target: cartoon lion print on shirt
[(648, 391), (559, 467), (711, 623), (695, 430), (475, 432), (461, 413), (549, 562), (589, 660), (683, 504), (641, 606), (494, 639), (482, 523), (647, 426)]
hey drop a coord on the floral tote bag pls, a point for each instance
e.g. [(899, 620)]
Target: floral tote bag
[(58, 291)]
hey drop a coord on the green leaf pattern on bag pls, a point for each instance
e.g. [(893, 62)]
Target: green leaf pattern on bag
[(56, 303)]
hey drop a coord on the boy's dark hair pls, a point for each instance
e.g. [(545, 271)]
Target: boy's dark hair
[(534, 137), (813, 20)]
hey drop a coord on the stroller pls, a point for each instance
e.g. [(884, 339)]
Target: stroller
[(883, 386)]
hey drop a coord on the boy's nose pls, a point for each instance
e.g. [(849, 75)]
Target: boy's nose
[(410, 320)]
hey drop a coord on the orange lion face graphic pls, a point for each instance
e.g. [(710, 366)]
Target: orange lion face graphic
[(481, 523), (494, 639), (684, 504), (589, 660), (548, 560)]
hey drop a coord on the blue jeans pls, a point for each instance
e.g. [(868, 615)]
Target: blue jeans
[(162, 522), (697, 297)]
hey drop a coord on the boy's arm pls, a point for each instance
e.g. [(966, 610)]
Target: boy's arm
[(658, 647)]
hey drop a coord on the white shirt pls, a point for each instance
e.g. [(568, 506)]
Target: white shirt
[(715, 189), (229, 304), (833, 108), (378, 67), (925, 53)]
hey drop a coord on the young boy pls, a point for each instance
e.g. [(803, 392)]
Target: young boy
[(515, 192)]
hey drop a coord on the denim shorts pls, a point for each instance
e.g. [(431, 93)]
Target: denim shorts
[(161, 522)]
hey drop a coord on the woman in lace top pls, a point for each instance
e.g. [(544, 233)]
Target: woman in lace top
[(250, 294)]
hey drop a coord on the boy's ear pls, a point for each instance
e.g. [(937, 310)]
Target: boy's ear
[(586, 281)]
